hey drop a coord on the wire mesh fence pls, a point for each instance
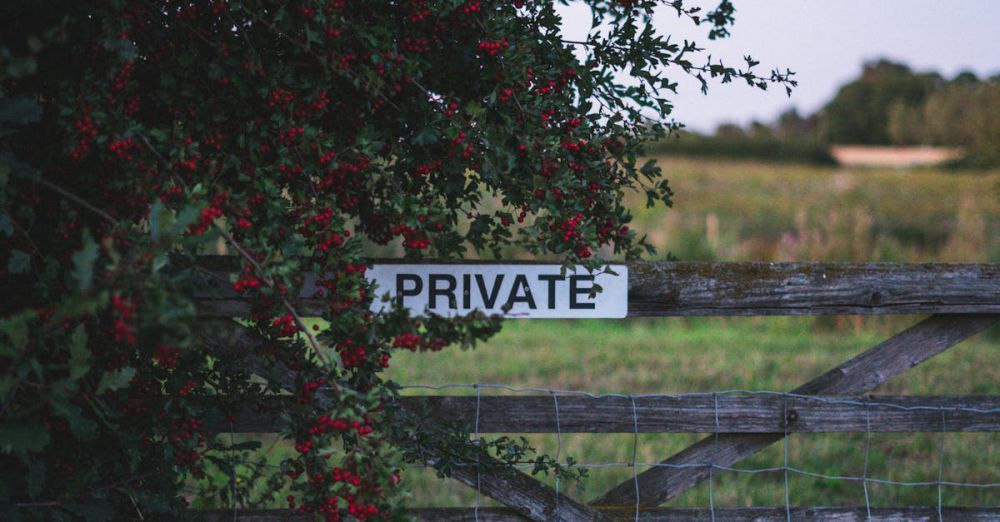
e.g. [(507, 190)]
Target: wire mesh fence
[(984, 415)]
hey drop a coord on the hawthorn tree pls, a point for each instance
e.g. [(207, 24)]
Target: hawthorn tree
[(139, 135)]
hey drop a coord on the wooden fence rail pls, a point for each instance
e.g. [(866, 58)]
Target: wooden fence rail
[(744, 514), (965, 299), (696, 414), (744, 289)]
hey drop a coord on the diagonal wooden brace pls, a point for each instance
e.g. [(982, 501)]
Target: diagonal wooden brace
[(519, 491), (861, 374), (527, 496)]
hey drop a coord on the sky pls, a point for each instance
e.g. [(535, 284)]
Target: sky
[(825, 42)]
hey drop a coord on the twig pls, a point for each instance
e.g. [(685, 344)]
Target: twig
[(288, 306), (136, 505), (76, 199)]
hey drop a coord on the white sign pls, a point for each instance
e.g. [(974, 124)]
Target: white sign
[(531, 291)]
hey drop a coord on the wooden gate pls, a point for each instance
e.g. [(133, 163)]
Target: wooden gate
[(961, 300)]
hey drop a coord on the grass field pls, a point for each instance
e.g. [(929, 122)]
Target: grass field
[(762, 212), (749, 211)]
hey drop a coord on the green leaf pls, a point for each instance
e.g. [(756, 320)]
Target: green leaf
[(83, 263), (187, 217), (16, 328), (19, 262), (79, 360), (6, 225), (20, 110), (115, 380), (474, 109), (154, 220), (22, 438), (36, 478), (79, 424), (427, 136)]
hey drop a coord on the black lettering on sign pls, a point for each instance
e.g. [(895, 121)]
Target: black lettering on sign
[(448, 291), (521, 285), (490, 299), (576, 290), (402, 292), (466, 291), (551, 280)]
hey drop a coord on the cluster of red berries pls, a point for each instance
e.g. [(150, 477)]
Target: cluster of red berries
[(304, 446), (309, 391), (419, 11), (412, 239), (280, 98), (326, 157), (245, 283), (493, 48), (166, 356), (471, 6), (568, 228), (187, 388), (205, 219), (330, 509), (343, 475), (325, 424), (425, 169), (362, 512), (209, 214), (317, 229), (407, 341), (289, 136), (352, 355), (286, 325), (549, 86), (122, 330), (123, 77), (85, 126), (122, 149)]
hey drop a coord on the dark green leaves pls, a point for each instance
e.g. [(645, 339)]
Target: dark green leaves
[(19, 110), (115, 380), (18, 262), (20, 438)]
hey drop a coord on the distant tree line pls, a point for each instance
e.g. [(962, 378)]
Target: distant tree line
[(888, 104)]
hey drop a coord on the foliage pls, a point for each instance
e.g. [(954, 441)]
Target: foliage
[(139, 135), (765, 148), (859, 112), (964, 113), (890, 104)]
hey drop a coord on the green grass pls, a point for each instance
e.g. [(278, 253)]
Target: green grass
[(762, 211)]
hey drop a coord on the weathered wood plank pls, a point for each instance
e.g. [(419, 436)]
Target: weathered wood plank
[(698, 414), (856, 376), (527, 496), (744, 514), (704, 289), (718, 289)]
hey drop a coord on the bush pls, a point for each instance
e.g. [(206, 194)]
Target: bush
[(139, 135)]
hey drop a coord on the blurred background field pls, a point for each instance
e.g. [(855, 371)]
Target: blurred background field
[(743, 210)]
